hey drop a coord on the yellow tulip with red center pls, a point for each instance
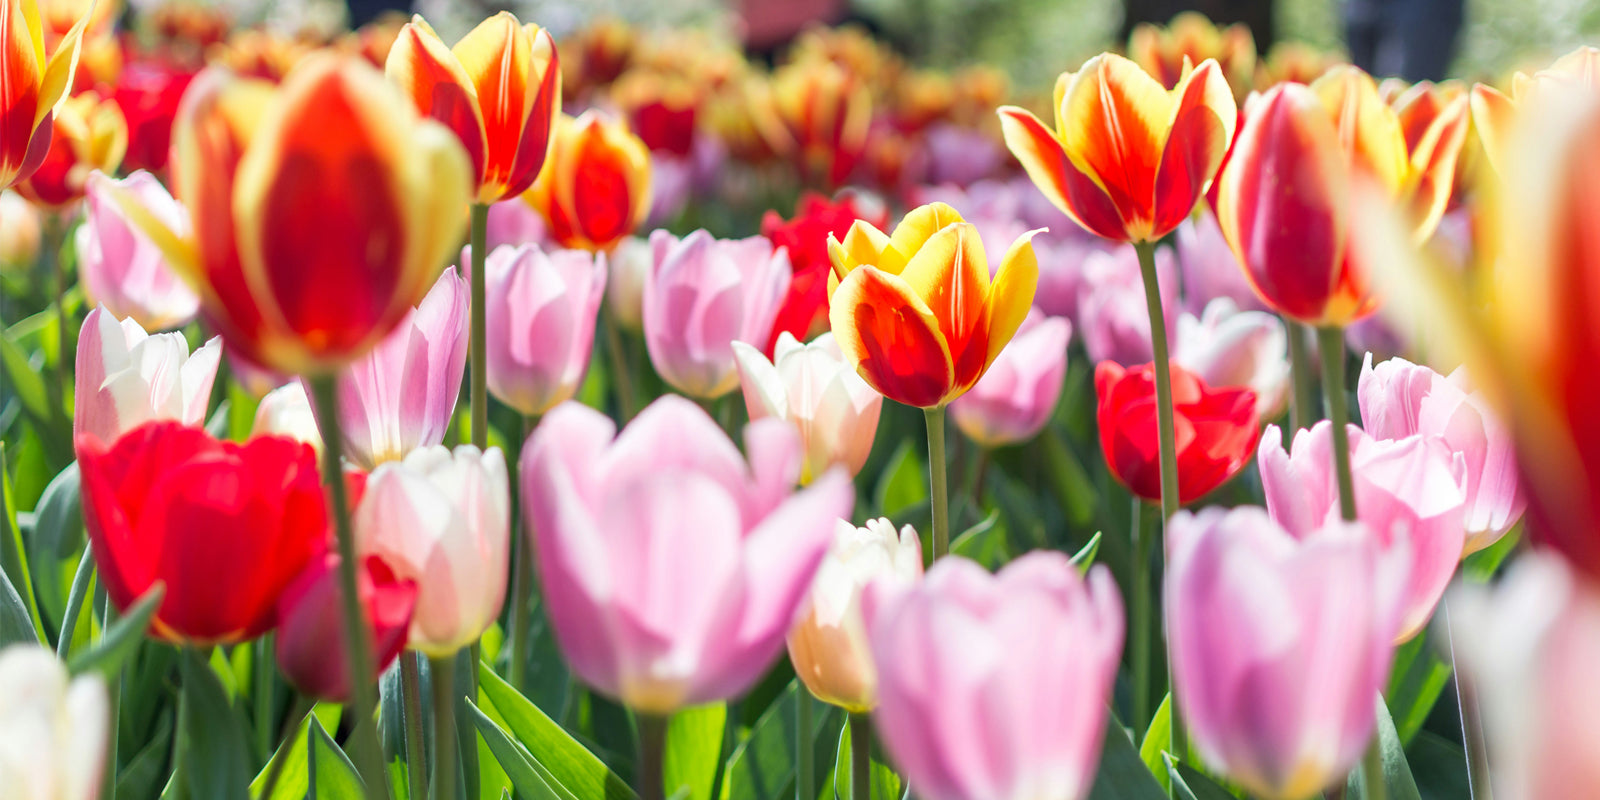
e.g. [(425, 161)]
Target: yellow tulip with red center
[(31, 85), (498, 89), (88, 134), (916, 311), (323, 209), (596, 189), (1127, 159), (1190, 38), (1494, 112)]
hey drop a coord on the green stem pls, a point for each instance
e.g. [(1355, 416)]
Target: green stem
[(357, 637), (652, 754), (1141, 616), (1303, 411), (261, 696), (108, 785), (521, 582), (940, 480), (442, 674), (480, 337), (411, 692), (54, 235), (621, 373), (1163, 370), (860, 756), (1330, 340), (804, 756), (1372, 772)]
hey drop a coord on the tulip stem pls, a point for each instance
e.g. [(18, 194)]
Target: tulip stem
[(261, 696), (804, 757), (860, 756), (480, 336), (442, 674), (1330, 341), (108, 777), (940, 480), (652, 754), (1372, 772), (357, 640), (411, 691), (521, 579), (1303, 409), (1163, 370), (1141, 615), (54, 236)]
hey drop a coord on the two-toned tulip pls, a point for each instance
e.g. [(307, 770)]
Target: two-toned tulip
[(89, 135), (1127, 159), (1167, 52), (322, 209), (823, 113), (541, 318), (917, 312), (1494, 113), (596, 189), (119, 266), (498, 90), (34, 86), (1016, 397), (126, 377), (813, 388)]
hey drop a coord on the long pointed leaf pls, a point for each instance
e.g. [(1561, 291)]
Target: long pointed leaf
[(515, 760), (565, 764), (122, 638)]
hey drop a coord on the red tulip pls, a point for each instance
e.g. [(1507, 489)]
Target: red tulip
[(804, 312), (225, 526), (148, 93), (310, 642), (1217, 429)]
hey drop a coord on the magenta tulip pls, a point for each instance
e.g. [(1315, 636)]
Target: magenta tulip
[(1013, 400), (541, 317), (120, 267), (125, 377)]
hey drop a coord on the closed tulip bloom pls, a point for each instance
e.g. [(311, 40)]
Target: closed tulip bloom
[(1228, 347), (541, 316), (286, 411), (120, 267), (918, 313), (995, 687), (34, 85), (442, 518), (630, 262), (53, 728), (310, 640), (1400, 399), (1016, 397), (701, 295), (1407, 489), (402, 394), (814, 389), (829, 645), (498, 90), (1494, 113), (225, 526), (596, 189), (1128, 158), (1280, 645), (1217, 428), (89, 135), (322, 209), (21, 233), (124, 377), (673, 566), (823, 113), (148, 92)]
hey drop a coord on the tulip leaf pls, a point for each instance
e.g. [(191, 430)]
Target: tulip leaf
[(1073, 487), (1481, 566), (147, 770), (13, 559), (763, 765), (567, 766), (75, 598), (1439, 767), (1157, 738), (1417, 679), (1084, 558), (15, 624), (886, 783), (694, 750), (26, 382), (216, 750), (1396, 771), (1192, 784), (984, 542), (57, 537), (515, 760), (331, 775), (904, 482), (1122, 774), (121, 639)]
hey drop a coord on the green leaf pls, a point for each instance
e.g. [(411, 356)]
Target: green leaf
[(75, 598), (332, 776), (121, 639), (886, 783), (1418, 678), (57, 536), (15, 624), (1192, 784), (904, 482), (1071, 483), (984, 542), (762, 767), (1084, 558), (26, 382), (1396, 771), (13, 559), (1439, 767), (216, 751), (1157, 738), (694, 750), (1481, 566), (294, 777), (515, 760), (1122, 775), (146, 772), (565, 764)]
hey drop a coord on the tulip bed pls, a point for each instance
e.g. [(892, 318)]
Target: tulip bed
[(613, 417)]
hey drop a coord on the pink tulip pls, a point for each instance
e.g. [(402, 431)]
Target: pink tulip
[(1280, 643), (1113, 319), (1013, 400), (541, 317), (1405, 489), (671, 565), (514, 223), (402, 394), (124, 377), (1400, 399), (120, 267), (310, 640), (994, 687), (702, 295), (1229, 347), (53, 728), (1210, 269), (442, 518), (671, 180), (1527, 649), (961, 155), (813, 388)]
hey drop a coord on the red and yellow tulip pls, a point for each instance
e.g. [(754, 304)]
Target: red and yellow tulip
[(916, 311), (596, 189), (1127, 159), (88, 134), (1494, 112), (498, 89), (823, 114), (1189, 39), (31, 85)]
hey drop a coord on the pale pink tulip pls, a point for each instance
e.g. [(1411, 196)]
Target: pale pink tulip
[(671, 181), (630, 262), (672, 566), (541, 317), (53, 731), (21, 233), (1408, 489), (401, 395), (120, 267), (1280, 643), (813, 388), (828, 646), (1228, 347), (514, 223), (124, 377), (995, 687), (286, 411), (1400, 399), (1210, 269), (442, 518), (1013, 400), (1113, 319), (703, 294)]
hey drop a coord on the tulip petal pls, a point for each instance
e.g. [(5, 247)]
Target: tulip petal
[(440, 86), (1202, 128), (1042, 156), (1433, 165), (1114, 125), (863, 244), (1369, 131), (893, 338), (918, 226), (533, 149), (1011, 295), (62, 67), (1492, 116), (950, 273)]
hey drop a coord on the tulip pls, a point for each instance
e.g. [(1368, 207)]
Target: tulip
[(1127, 159), (53, 728), (541, 318), (286, 411), (1410, 488), (120, 267), (225, 526), (1494, 114), (701, 295), (1281, 698), (672, 566), (630, 264), (402, 394), (995, 687), (823, 113), (917, 312), (829, 645), (813, 388), (1218, 429), (596, 189), (498, 90), (310, 641), (804, 312), (148, 93), (1209, 268), (442, 518), (322, 210), (1113, 318), (34, 86), (1400, 399), (125, 377), (1229, 347), (514, 224), (1167, 53), (1016, 397), (21, 233), (89, 134)]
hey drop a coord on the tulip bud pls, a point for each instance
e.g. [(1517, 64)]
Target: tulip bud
[(124, 377), (811, 387), (311, 634), (89, 135), (120, 267), (1229, 347), (1222, 422), (21, 232), (53, 728), (630, 264), (596, 189), (286, 411), (1016, 397), (541, 316), (34, 86)]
